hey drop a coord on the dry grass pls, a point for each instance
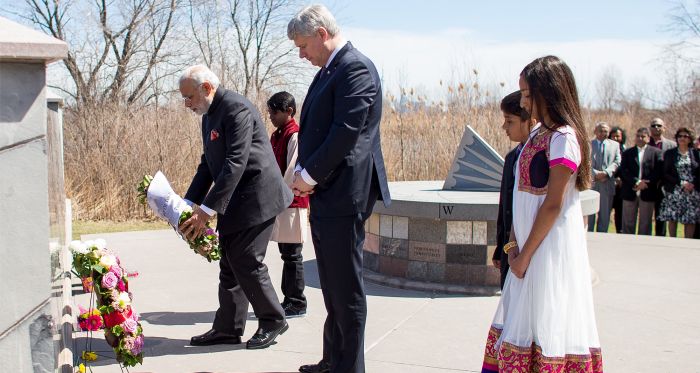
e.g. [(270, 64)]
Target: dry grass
[(109, 149)]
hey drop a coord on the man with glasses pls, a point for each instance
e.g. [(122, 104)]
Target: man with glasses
[(657, 127), (239, 181)]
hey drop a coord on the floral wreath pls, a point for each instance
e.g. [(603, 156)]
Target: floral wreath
[(103, 276)]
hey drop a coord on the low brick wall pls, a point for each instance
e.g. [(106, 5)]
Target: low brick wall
[(456, 252)]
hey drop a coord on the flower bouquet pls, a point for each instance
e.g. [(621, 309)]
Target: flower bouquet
[(159, 195), (114, 314)]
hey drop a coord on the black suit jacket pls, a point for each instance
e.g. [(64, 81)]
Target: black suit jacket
[(670, 175), (339, 143), (505, 207), (651, 170), (248, 187)]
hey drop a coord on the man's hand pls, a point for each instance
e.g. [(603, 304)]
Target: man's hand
[(641, 185), (688, 186), (195, 225), (300, 187), (496, 263), (601, 176)]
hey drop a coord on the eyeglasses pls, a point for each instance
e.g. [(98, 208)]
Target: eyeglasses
[(683, 136), (656, 126)]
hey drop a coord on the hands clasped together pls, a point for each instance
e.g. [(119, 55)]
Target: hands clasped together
[(300, 187)]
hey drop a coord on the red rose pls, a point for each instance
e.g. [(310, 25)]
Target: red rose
[(116, 318), (213, 135)]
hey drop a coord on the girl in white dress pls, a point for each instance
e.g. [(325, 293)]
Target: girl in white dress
[(545, 320)]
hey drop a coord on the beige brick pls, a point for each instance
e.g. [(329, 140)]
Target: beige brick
[(459, 232), (479, 233), (400, 227), (385, 225), (374, 224)]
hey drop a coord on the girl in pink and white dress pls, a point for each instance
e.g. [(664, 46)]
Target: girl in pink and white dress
[(545, 320)]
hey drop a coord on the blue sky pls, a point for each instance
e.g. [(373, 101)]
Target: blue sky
[(417, 44), (513, 20)]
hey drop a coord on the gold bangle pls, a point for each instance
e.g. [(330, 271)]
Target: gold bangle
[(507, 247)]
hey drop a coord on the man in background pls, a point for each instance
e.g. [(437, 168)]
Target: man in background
[(605, 159)]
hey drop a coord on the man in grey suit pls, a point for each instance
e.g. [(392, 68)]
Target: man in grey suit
[(605, 159), (657, 128), (248, 192), (341, 165)]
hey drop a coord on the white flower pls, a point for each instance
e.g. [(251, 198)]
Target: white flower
[(100, 243), (108, 261), (89, 243), (124, 299), (78, 247)]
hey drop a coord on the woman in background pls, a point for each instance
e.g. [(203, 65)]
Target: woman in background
[(681, 202), (619, 135)]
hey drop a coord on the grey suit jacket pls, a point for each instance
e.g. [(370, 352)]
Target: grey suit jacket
[(608, 161)]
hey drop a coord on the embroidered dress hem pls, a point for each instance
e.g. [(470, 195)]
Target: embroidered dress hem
[(510, 358)]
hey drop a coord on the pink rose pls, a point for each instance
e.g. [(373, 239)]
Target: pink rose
[(130, 325), (109, 280), (117, 270)]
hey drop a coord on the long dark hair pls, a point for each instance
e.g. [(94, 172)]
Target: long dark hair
[(553, 91), (622, 132)]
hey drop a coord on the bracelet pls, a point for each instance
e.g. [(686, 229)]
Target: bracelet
[(507, 247)]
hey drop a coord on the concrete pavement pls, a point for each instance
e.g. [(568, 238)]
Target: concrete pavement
[(647, 296)]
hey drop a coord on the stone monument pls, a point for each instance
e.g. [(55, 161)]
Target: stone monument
[(440, 236), (31, 198)]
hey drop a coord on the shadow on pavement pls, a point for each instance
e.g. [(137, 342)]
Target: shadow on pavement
[(372, 289), (183, 318), (154, 346)]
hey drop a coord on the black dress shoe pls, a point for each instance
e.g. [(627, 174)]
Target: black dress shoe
[(212, 337), (263, 338), (321, 367)]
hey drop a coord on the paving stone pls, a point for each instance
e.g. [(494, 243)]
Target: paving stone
[(459, 232), (427, 230), (426, 251), (393, 247)]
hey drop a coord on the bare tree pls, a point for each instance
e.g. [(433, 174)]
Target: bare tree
[(114, 46), (684, 24), (608, 89), (245, 41)]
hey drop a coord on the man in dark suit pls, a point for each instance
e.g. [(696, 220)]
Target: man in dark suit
[(640, 171), (340, 164), (248, 193)]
